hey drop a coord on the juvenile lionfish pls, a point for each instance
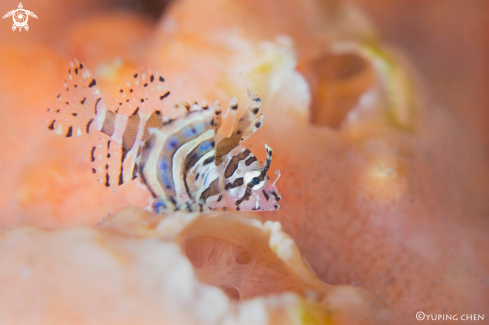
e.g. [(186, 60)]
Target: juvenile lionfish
[(184, 161)]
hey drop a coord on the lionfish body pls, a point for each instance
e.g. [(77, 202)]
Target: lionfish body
[(184, 162)]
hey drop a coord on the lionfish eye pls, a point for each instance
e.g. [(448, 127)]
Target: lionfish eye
[(253, 177)]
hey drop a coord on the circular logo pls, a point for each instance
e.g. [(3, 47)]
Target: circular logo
[(420, 315), (20, 17)]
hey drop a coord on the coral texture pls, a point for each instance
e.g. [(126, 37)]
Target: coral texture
[(139, 268), (384, 191)]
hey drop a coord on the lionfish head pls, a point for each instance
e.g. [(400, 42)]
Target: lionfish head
[(249, 188)]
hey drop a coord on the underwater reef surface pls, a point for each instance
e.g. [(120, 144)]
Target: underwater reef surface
[(384, 192), (139, 268)]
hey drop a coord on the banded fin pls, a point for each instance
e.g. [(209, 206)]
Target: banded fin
[(145, 92), (248, 123), (141, 107), (217, 116), (242, 129), (107, 164), (79, 108)]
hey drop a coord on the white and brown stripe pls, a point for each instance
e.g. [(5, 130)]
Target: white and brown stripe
[(177, 162), (177, 159), (145, 104), (80, 109)]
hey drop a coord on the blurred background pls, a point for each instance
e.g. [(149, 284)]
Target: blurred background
[(382, 241), (446, 39)]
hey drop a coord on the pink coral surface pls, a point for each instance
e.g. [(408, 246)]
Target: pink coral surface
[(383, 189)]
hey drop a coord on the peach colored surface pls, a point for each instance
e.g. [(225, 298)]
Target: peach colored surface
[(385, 188)]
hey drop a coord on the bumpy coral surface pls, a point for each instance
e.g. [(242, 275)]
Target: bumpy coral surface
[(138, 268), (382, 188)]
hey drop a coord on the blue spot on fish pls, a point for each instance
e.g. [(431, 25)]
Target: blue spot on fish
[(167, 181), (163, 166), (205, 146), (189, 132), (172, 144), (157, 204), (194, 129)]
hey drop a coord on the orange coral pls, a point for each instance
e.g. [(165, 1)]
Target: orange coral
[(383, 190)]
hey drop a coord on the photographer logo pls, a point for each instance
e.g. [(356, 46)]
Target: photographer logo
[(20, 17)]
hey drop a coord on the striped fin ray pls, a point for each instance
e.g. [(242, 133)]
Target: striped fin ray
[(115, 159), (79, 108), (242, 129), (248, 123), (145, 92), (140, 108), (108, 166), (217, 115)]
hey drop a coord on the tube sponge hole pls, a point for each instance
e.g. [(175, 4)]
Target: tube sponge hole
[(242, 256), (337, 81), (232, 293), (237, 258)]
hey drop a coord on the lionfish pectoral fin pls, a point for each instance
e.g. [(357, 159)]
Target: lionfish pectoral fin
[(79, 109), (145, 92), (111, 164)]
